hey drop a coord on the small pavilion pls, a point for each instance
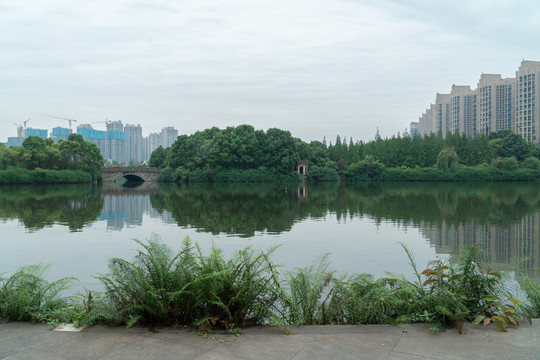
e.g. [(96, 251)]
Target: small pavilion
[(302, 168)]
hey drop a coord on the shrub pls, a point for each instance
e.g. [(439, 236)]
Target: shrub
[(167, 175), (531, 163), (44, 176), (324, 174), (199, 175), (415, 174), (508, 163), (365, 170)]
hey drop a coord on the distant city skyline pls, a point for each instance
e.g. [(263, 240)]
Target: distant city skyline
[(317, 68), (120, 142), (495, 104)]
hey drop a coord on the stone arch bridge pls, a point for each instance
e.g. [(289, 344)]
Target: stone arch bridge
[(130, 173)]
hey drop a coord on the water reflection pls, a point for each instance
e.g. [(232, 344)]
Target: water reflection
[(125, 206), (504, 217), (40, 206)]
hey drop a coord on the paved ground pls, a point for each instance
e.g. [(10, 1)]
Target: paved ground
[(386, 342)]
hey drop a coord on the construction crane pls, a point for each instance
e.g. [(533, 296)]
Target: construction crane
[(63, 118), (20, 132), (107, 121)]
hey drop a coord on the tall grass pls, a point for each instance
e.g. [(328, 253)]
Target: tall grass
[(187, 287)]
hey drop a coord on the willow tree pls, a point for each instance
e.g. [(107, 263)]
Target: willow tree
[(447, 159)]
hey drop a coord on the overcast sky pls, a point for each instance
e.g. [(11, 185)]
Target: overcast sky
[(314, 67)]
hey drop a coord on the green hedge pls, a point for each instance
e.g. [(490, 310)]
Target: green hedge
[(320, 174), (41, 176), (463, 173), (225, 175)]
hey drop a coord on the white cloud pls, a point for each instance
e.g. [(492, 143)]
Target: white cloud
[(318, 67)]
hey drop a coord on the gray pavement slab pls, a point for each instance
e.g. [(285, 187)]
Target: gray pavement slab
[(384, 342)]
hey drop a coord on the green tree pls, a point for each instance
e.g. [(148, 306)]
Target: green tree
[(511, 144), (35, 152), (158, 157), (447, 159), (79, 154)]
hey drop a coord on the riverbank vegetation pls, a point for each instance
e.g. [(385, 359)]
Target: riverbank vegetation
[(38, 160), (243, 154), (187, 287)]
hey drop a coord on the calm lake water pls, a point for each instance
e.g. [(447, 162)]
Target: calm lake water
[(77, 228)]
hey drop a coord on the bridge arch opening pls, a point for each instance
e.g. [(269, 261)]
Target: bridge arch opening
[(130, 180)]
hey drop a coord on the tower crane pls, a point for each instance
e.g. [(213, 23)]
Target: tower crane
[(20, 128), (19, 131), (63, 118), (106, 121)]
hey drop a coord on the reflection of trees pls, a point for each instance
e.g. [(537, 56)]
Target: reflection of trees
[(496, 203), (504, 217), (240, 209), (73, 205), (243, 209)]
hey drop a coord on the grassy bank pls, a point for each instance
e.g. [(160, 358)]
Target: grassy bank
[(163, 287), (17, 175)]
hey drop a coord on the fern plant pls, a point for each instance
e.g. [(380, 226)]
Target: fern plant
[(152, 288), (27, 296), (305, 293)]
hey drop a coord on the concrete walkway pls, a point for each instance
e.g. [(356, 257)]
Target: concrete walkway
[(373, 342)]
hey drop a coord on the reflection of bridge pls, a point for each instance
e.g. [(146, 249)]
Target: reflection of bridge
[(130, 174)]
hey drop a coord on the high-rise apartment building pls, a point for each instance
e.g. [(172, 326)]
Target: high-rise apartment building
[(426, 124), (496, 104), (97, 137), (496, 97), (462, 110), (527, 114), (169, 135), (441, 111), (60, 133), (42, 133), (436, 119), (413, 129), (116, 141), (153, 141), (134, 143)]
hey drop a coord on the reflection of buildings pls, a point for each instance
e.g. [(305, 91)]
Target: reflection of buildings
[(302, 192), (124, 210), (502, 244)]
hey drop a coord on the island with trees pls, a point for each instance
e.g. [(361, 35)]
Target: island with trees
[(243, 154)]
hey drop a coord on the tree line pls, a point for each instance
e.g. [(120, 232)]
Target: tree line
[(244, 148), (75, 153)]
